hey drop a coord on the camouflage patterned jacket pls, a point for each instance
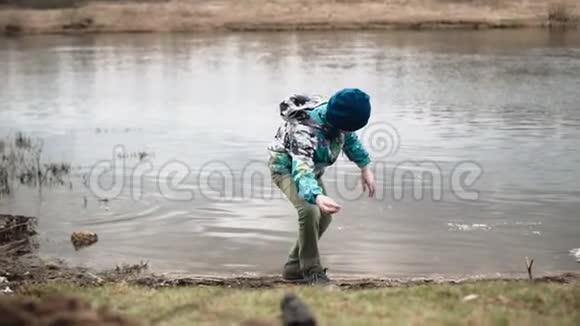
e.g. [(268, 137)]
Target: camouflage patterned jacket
[(306, 144)]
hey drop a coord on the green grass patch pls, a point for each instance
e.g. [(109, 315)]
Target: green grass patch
[(497, 303)]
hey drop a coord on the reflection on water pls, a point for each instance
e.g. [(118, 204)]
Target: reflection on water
[(507, 101)]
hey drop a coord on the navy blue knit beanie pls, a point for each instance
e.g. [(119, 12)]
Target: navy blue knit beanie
[(349, 109)]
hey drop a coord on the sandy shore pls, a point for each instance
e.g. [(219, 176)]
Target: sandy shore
[(229, 15)]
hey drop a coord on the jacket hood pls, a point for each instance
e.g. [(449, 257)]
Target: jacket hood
[(295, 107)]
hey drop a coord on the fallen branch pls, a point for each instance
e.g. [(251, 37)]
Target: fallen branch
[(529, 264), (17, 247), (11, 227)]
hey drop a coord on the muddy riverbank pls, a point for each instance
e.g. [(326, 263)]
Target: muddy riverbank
[(259, 15), (20, 266)]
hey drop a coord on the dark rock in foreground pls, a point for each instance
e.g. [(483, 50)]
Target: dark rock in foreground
[(295, 312)]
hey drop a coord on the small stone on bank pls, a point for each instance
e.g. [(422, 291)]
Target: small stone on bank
[(6, 290), (470, 297)]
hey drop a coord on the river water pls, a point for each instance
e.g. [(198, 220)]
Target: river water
[(475, 141)]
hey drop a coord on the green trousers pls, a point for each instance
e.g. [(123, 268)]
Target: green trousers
[(304, 255)]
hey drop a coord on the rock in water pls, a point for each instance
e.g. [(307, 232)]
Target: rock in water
[(82, 239), (295, 312)]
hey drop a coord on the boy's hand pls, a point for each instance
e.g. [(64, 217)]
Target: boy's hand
[(327, 205), (368, 181)]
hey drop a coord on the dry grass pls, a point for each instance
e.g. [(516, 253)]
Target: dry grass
[(195, 15), (494, 303)]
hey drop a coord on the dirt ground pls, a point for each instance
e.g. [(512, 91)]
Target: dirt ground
[(56, 311), (265, 15)]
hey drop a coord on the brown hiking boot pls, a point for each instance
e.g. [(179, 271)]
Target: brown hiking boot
[(316, 277), (292, 272)]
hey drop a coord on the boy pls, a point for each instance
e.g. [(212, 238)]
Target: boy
[(311, 138)]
